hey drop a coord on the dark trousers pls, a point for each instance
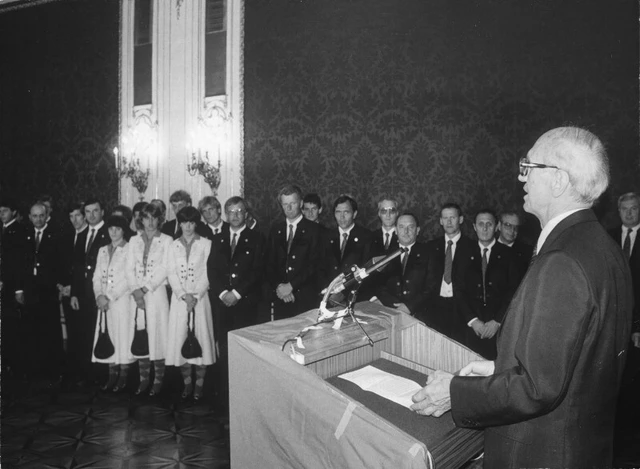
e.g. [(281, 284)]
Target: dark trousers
[(13, 337), (44, 351), (80, 331)]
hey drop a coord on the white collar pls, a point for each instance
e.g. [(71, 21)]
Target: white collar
[(98, 226), (293, 222), (347, 231), (231, 232), (455, 239), (548, 228), (11, 222)]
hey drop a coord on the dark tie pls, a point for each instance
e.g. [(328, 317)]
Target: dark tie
[(484, 274), (93, 233), (233, 243), (290, 238), (405, 256), (448, 262), (343, 245), (386, 241), (38, 234), (626, 247)]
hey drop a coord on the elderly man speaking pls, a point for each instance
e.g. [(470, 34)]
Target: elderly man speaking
[(549, 398)]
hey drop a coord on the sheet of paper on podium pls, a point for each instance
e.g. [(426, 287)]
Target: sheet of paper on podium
[(387, 385)]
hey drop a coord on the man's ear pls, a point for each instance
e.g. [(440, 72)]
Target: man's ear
[(461, 219), (560, 182), (355, 214), (319, 210)]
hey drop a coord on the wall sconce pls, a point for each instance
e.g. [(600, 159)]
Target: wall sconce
[(132, 170), (202, 166)]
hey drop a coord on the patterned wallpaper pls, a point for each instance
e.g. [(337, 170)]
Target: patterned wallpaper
[(59, 95), (430, 101)]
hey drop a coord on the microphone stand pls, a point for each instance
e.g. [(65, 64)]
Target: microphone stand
[(350, 302)]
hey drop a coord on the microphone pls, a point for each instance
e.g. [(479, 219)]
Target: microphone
[(357, 274)]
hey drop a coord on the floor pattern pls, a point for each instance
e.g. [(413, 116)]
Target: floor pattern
[(86, 428)]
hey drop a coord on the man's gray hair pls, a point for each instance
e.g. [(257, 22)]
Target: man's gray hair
[(583, 156), (628, 196)]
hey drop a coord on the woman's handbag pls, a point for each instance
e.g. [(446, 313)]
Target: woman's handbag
[(104, 347), (191, 347), (140, 343)]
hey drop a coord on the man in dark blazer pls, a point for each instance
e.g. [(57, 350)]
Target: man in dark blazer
[(508, 228), (235, 268), (405, 286), (549, 399), (487, 286), (344, 246), (82, 297), (292, 259), (384, 240), (39, 295), (211, 210), (448, 258), (12, 252), (73, 244)]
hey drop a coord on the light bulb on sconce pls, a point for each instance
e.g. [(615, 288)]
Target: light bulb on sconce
[(196, 164), (132, 170)]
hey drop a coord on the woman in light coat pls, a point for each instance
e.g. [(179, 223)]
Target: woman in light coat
[(188, 279), (146, 274), (113, 298)]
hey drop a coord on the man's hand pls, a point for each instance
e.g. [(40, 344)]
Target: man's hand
[(102, 302), (229, 299), (635, 338), (284, 290), (478, 368), (478, 327), (402, 307), (490, 329), (20, 297), (435, 398), (75, 304), (289, 298)]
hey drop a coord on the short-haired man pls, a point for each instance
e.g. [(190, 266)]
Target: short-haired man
[(346, 245), (72, 246), (448, 260), (626, 235), (312, 207), (211, 210), (40, 297), (12, 251), (235, 268), (82, 296), (549, 399), (178, 200), (405, 286), (487, 286), (508, 228), (292, 259), (385, 239)]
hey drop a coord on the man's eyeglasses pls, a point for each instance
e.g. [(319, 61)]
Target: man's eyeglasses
[(388, 211), (526, 166)]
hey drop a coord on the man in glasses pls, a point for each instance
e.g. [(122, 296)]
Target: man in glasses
[(508, 228), (385, 239), (549, 398)]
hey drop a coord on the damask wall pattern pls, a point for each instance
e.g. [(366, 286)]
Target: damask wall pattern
[(430, 101), (59, 95)]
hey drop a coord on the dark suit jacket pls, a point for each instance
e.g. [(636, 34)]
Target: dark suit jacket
[(408, 287), (299, 267), (12, 270), (521, 253), (82, 285), (73, 257), (634, 264), (204, 230), (41, 266), (377, 243), (436, 249), (356, 252), (242, 272), (561, 351)]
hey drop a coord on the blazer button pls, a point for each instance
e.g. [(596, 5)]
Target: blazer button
[(233, 275)]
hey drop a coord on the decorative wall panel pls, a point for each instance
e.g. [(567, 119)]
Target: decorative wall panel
[(431, 101)]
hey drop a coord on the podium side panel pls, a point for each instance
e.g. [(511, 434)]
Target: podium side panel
[(434, 350)]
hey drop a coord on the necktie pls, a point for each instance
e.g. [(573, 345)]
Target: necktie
[(448, 262), (90, 242), (290, 238), (386, 241), (39, 233), (343, 245), (405, 256), (233, 243), (484, 273), (626, 247)]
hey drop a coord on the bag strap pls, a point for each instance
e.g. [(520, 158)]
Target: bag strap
[(135, 321), (191, 320), (103, 314)]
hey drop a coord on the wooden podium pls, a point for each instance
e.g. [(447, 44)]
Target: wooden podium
[(284, 414)]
